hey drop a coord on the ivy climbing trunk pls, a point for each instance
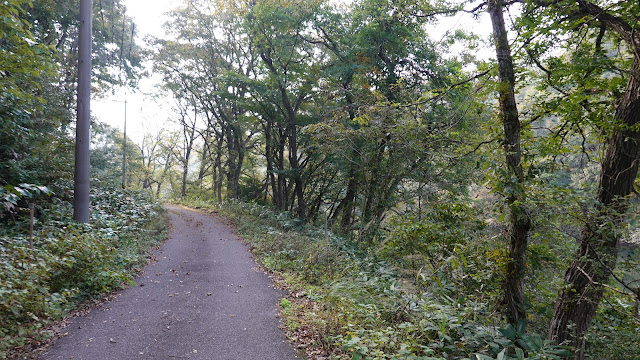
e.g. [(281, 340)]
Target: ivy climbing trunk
[(519, 221)]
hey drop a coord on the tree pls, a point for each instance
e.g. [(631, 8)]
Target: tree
[(24, 64), (291, 65), (106, 158), (39, 77), (190, 135), (398, 113), (208, 61), (598, 89), (514, 178)]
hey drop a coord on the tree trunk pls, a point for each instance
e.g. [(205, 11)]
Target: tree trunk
[(292, 135), (519, 221), (271, 178), (185, 172), (374, 183), (217, 169), (232, 163), (346, 205), (167, 166), (189, 133), (283, 196), (291, 129), (236, 177), (595, 260), (204, 162)]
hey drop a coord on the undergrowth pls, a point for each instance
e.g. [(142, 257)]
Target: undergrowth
[(349, 301), (71, 263)]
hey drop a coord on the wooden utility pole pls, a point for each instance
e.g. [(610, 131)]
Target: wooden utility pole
[(81, 200)]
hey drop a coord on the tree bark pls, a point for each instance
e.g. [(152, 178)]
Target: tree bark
[(347, 204), (283, 194), (345, 207), (204, 161), (595, 260), (271, 178), (292, 135), (519, 221), (232, 161), (217, 169), (189, 132), (241, 154), (167, 167)]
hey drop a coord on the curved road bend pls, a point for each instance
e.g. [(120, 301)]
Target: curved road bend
[(202, 299)]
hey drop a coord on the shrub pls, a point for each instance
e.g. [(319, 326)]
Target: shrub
[(72, 262)]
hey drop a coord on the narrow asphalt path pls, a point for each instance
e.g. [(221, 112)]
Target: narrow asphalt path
[(202, 299)]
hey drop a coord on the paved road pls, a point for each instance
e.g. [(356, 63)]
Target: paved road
[(202, 299)]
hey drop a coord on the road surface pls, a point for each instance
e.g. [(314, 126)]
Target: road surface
[(202, 299)]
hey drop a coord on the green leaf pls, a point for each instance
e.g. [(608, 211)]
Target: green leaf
[(509, 332), (519, 354)]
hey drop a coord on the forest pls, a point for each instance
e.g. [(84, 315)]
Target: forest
[(422, 192)]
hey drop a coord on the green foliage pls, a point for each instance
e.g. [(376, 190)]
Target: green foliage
[(286, 245), (70, 263), (11, 195), (106, 158), (512, 343), (285, 303), (38, 46), (23, 61), (372, 310), (24, 65), (382, 123), (436, 233), (614, 333), (368, 310)]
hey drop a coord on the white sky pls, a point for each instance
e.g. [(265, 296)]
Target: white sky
[(146, 115)]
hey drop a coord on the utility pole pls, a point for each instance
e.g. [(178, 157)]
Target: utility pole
[(81, 200), (124, 147)]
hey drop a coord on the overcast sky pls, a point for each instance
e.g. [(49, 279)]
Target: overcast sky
[(144, 114)]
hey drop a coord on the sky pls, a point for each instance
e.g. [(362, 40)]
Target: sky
[(147, 115), (144, 113)]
